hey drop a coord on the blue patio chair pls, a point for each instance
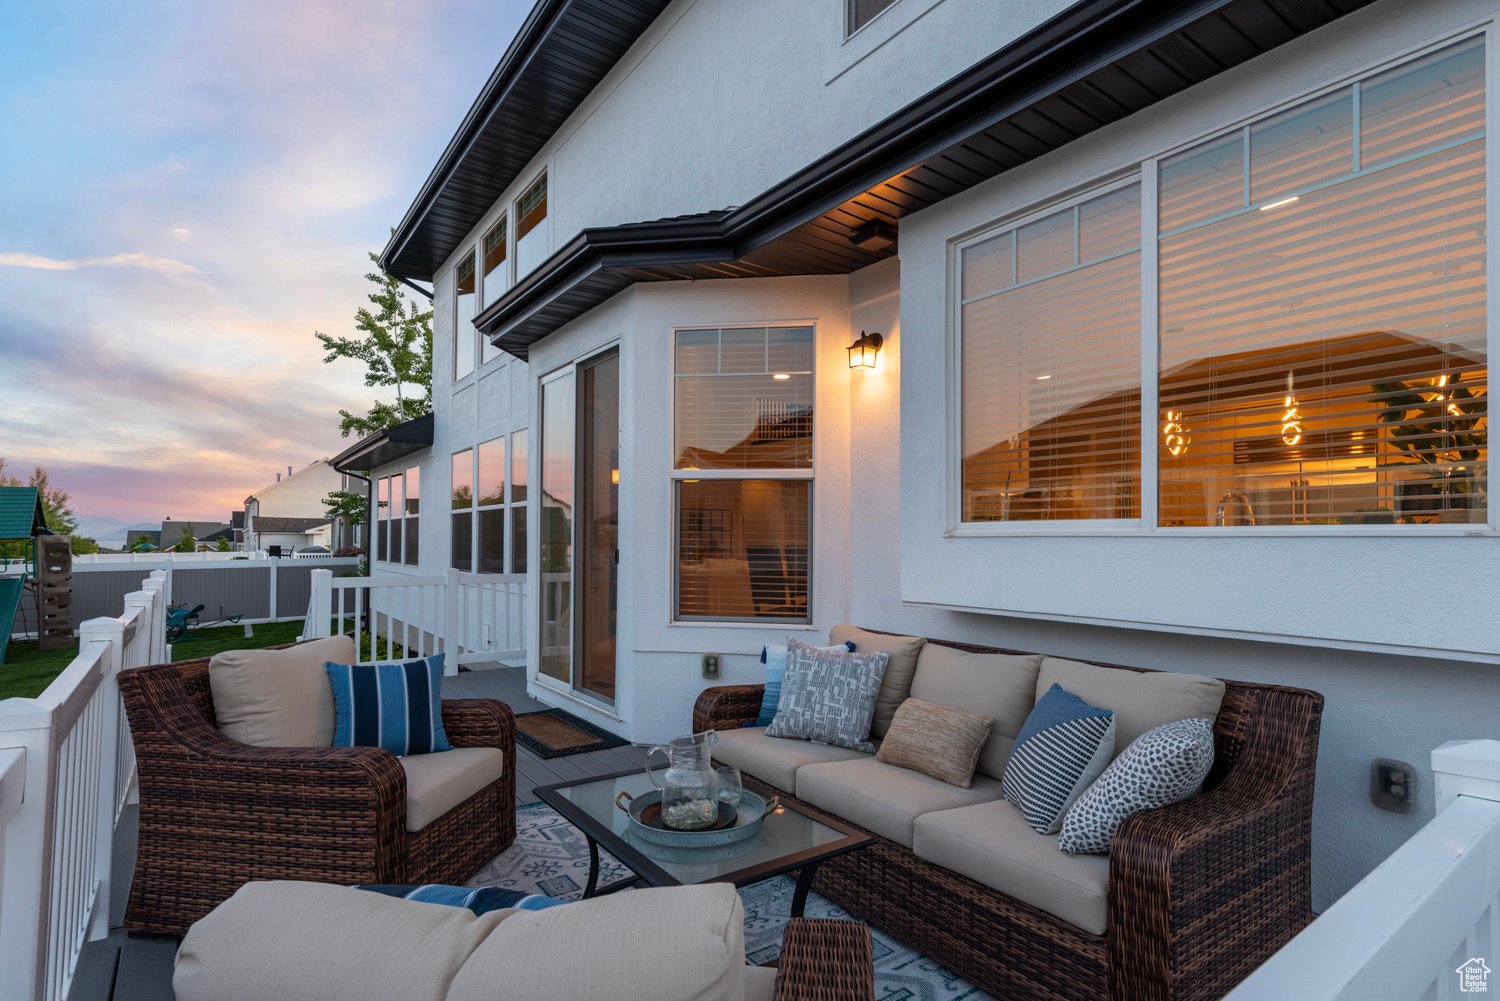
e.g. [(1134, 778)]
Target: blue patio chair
[(180, 622)]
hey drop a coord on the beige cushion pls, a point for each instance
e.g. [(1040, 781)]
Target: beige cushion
[(1139, 700), (760, 983), (1001, 685), (992, 844), (775, 759), (895, 686), (936, 740), (436, 783), (883, 798), (320, 943), (278, 698), (679, 943)]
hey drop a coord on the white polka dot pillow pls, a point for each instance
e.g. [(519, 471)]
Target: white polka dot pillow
[(1162, 766)]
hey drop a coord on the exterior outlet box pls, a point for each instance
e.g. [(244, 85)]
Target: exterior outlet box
[(710, 665), (1393, 785)]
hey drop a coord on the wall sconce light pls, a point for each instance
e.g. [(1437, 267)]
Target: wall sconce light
[(863, 351)]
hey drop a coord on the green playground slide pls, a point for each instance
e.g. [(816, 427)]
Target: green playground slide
[(10, 600)]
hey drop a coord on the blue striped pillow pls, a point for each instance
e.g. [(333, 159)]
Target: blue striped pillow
[(1062, 747), (395, 706)]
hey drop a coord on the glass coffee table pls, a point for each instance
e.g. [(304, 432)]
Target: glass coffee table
[(791, 837)]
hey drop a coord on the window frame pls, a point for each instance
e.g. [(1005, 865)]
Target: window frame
[(471, 511), (1147, 173), (513, 234), (676, 476)]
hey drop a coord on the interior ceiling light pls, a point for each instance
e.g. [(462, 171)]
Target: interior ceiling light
[(1042, 377), (1291, 421), (1284, 201), (1173, 435), (781, 375)]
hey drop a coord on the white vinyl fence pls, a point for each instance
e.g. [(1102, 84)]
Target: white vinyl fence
[(1425, 925), (473, 618), (67, 770)]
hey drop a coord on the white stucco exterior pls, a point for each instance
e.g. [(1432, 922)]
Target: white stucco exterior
[(720, 100)]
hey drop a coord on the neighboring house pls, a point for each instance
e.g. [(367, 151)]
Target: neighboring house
[(290, 512), (1184, 347)]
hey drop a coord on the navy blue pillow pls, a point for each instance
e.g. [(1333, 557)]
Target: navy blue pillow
[(395, 706), (1062, 748), (480, 900)]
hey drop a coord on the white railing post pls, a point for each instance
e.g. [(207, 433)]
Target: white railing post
[(12, 786), (26, 883), (271, 610), (157, 585), (449, 633), (111, 631), (1466, 768), (319, 605)]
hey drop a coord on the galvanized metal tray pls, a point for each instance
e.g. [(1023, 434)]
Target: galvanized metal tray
[(747, 822)]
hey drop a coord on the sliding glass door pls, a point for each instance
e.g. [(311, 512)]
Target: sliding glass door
[(580, 475)]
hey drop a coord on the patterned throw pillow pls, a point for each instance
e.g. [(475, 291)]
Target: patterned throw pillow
[(828, 696), (936, 740), (395, 706), (1063, 746), (1164, 765), (773, 655), (480, 900)]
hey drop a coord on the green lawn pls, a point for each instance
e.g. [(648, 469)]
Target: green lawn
[(27, 670)]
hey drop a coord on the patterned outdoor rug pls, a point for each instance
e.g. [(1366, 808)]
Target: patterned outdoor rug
[(551, 857), (552, 733)]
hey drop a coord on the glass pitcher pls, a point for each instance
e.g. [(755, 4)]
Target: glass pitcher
[(690, 786)]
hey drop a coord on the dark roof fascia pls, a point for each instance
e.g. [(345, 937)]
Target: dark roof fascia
[(1083, 40), (537, 33), (386, 445)]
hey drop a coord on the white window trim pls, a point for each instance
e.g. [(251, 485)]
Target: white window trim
[(678, 475), (1148, 174), (513, 233)]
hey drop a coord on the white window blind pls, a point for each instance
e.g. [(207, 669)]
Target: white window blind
[(1323, 311), (1052, 366), (744, 398), (464, 334)]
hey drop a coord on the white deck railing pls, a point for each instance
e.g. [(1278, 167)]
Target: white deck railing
[(1426, 923), (67, 755), (473, 618)]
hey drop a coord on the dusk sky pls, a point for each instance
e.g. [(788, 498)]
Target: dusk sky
[(190, 190)]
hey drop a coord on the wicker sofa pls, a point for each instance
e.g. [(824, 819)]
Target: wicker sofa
[(216, 814), (1198, 894)]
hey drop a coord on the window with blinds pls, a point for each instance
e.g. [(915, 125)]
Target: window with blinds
[(1323, 309), (411, 549), (462, 518), (1051, 364), (743, 447), (464, 334), (496, 279), (382, 518), (518, 472), (491, 504), (531, 235)]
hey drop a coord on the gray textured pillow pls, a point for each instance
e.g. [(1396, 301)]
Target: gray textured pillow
[(1165, 765), (828, 696)]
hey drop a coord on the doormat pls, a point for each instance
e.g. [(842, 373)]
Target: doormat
[(552, 733)]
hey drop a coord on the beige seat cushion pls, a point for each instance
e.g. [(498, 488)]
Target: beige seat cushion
[(895, 685), (312, 940), (1139, 700), (278, 698), (679, 943), (883, 798), (436, 783), (1001, 685), (760, 983), (775, 759), (993, 844)]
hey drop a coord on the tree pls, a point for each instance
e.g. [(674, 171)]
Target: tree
[(348, 505), (221, 546), (60, 517), (397, 351), (186, 544), (83, 545), (142, 542)]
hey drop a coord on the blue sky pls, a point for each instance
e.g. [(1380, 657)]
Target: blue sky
[(189, 191)]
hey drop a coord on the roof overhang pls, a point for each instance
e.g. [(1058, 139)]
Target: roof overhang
[(1097, 62), (389, 445), (562, 52)]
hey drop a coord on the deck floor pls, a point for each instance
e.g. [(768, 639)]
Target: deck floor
[(121, 968)]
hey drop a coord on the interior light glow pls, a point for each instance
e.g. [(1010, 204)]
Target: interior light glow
[(1284, 201), (781, 375), (1174, 435), (1041, 377), (614, 477), (1291, 421)]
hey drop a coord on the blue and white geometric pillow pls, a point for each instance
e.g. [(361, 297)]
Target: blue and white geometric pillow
[(1063, 746), (395, 706), (773, 655), (1165, 765)]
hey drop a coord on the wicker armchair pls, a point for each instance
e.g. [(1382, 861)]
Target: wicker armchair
[(216, 814), (1200, 893)]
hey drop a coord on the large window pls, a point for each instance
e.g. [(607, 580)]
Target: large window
[(464, 334), (496, 279), (1321, 320), (462, 534), (531, 228), (1051, 365), (491, 499), (413, 484), (743, 472), (382, 519), (518, 458)]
